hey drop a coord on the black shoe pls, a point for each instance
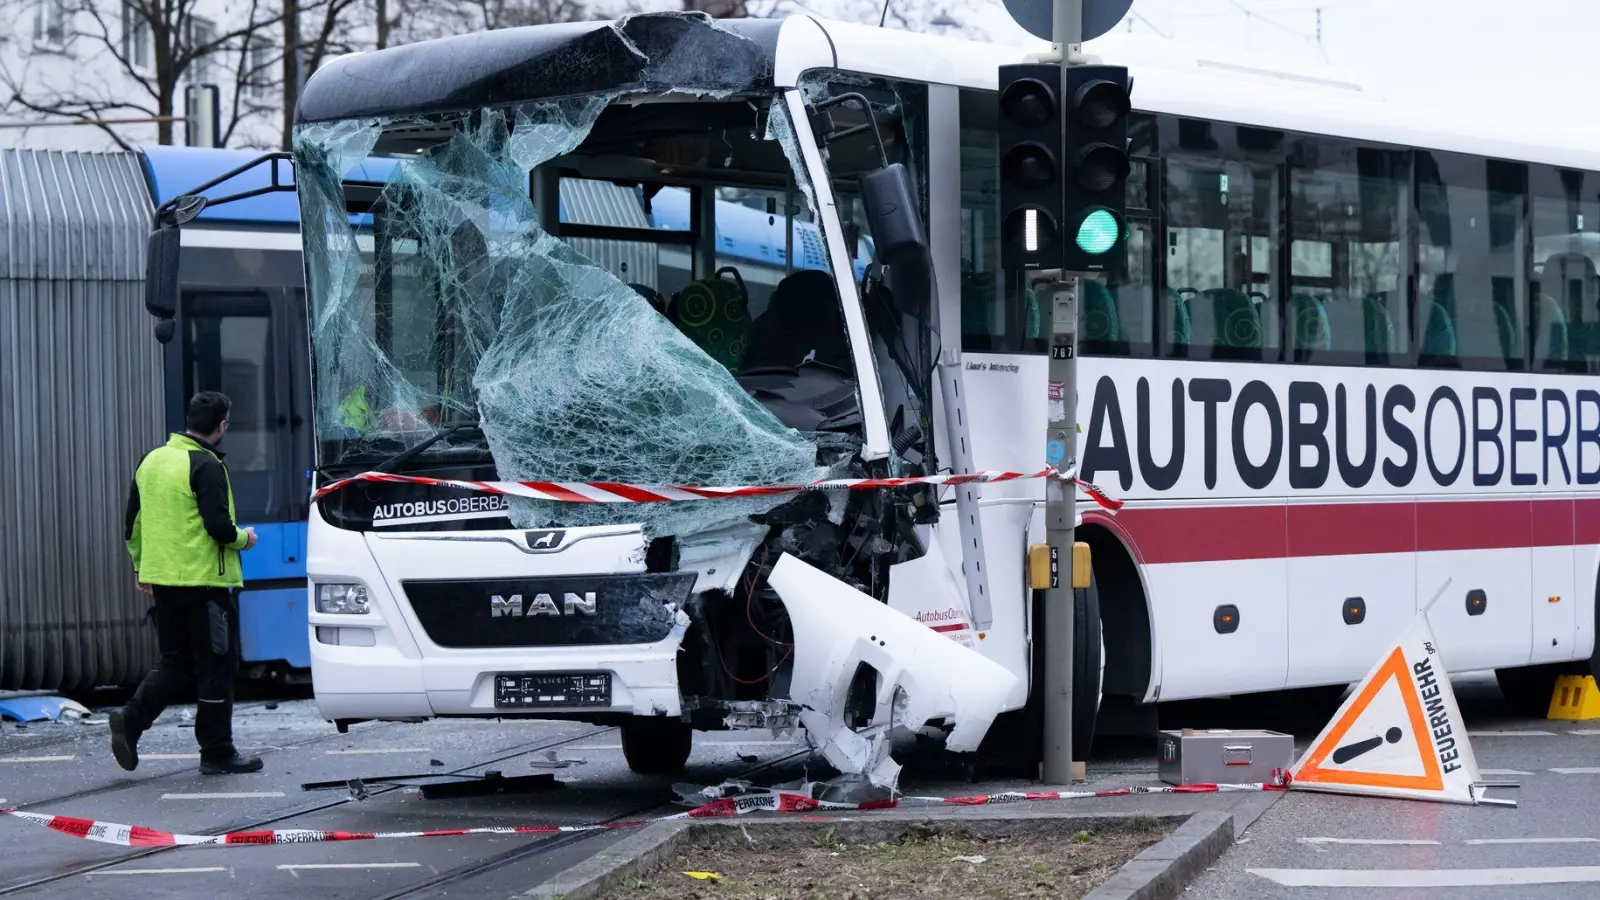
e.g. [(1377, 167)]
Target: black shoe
[(124, 741), (238, 765)]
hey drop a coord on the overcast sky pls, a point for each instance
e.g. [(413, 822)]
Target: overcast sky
[(1455, 52)]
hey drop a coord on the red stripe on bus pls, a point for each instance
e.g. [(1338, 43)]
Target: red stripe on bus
[(945, 628), (1281, 530)]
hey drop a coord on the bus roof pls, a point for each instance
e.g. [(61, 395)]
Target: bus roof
[(1172, 78), (690, 52)]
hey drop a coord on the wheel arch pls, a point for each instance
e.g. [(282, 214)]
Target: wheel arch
[(1126, 617)]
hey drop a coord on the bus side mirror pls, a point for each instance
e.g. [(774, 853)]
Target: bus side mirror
[(161, 279), (901, 245), (161, 263)]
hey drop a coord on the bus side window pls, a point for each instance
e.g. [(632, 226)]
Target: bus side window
[(998, 314), (1564, 318), (1347, 258), (1472, 299)]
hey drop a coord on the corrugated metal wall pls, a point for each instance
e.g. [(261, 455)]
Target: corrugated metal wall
[(600, 203), (80, 403)]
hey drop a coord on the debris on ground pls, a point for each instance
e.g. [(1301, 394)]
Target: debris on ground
[(30, 706), (926, 862), (552, 761)]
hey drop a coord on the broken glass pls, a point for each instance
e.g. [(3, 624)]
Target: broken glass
[(452, 304)]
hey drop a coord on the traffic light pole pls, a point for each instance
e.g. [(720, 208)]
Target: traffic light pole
[(1060, 494)]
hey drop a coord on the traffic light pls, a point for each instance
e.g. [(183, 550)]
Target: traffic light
[(1095, 149), (1030, 166)]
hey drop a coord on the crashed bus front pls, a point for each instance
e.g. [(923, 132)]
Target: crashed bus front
[(519, 271)]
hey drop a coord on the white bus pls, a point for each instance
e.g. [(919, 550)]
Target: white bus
[(1343, 368)]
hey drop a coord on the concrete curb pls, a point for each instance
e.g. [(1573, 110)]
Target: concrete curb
[(1163, 871), (1159, 873)]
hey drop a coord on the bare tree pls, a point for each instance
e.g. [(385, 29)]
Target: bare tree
[(313, 31), (126, 61)]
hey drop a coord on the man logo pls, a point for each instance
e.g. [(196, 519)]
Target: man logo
[(542, 605), (545, 540)]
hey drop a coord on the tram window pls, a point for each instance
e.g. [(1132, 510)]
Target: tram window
[(1471, 262), (998, 315), (1347, 265), (1564, 318), (232, 353), (1222, 221)]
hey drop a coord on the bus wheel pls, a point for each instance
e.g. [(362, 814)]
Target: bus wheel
[(1527, 689), (656, 745), (1088, 651)]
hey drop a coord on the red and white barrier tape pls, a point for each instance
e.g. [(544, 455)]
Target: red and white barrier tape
[(756, 801), (606, 492)]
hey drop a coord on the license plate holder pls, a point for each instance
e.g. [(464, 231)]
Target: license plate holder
[(551, 690)]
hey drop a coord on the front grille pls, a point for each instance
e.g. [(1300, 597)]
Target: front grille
[(549, 612)]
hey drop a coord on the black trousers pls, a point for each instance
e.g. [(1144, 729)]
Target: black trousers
[(197, 630)]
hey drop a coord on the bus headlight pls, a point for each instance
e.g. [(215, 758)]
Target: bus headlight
[(347, 599)]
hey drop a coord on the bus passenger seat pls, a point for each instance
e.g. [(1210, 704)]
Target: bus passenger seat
[(715, 313), (651, 296), (1552, 343), (1439, 337), (1312, 330), (802, 318), (1379, 325), (1238, 322), (1101, 321), (1179, 332)]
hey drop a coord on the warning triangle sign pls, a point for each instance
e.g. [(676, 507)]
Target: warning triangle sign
[(1400, 733)]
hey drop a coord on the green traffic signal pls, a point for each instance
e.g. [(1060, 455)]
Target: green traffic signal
[(1098, 232)]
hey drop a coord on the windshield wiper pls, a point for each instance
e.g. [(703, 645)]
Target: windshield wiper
[(412, 452)]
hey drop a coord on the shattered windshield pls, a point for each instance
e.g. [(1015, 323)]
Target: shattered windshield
[(618, 290)]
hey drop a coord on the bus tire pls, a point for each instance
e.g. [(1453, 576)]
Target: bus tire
[(1087, 655), (656, 745)]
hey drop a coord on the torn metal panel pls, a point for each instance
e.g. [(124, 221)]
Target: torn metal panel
[(656, 52), (718, 557), (921, 675)]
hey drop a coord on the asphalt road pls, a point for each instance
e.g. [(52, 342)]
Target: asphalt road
[(66, 769), (1331, 846)]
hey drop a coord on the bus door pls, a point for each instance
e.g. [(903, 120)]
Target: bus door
[(249, 344)]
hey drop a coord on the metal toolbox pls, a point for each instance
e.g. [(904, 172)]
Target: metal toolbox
[(1219, 755)]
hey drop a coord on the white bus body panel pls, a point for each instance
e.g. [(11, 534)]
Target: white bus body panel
[(406, 675), (1289, 579)]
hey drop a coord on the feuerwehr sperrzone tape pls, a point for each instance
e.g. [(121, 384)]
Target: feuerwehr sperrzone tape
[(751, 802)]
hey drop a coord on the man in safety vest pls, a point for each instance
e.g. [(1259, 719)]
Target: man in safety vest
[(185, 549)]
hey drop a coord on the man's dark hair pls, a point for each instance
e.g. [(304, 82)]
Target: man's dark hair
[(207, 409)]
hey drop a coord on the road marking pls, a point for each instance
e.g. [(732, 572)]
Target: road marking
[(169, 756), (1373, 841), (190, 871), (238, 795), (1483, 734), (36, 759), (397, 865), (1428, 877), (1560, 840), (1579, 770), (1503, 772), (1585, 731), (378, 751)]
